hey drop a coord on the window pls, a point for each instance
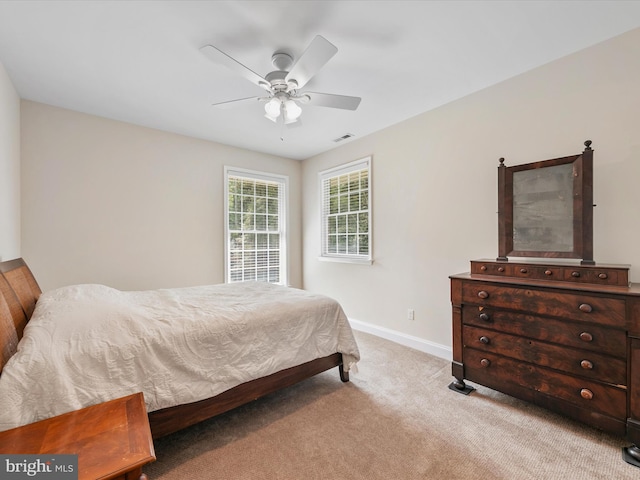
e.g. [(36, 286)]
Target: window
[(255, 224), (346, 212)]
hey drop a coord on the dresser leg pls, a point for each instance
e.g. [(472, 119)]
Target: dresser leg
[(459, 386), (631, 454)]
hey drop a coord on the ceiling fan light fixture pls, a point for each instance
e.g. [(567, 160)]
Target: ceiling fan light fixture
[(272, 109), (291, 111)]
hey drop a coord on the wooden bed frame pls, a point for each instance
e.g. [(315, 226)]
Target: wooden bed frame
[(19, 292)]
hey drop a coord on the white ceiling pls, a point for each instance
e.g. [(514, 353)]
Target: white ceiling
[(140, 61)]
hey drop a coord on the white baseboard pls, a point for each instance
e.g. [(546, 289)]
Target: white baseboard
[(421, 344)]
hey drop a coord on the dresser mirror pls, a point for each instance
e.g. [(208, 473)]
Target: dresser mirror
[(545, 208)]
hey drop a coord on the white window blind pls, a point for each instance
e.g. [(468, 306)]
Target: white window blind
[(346, 212), (255, 225)]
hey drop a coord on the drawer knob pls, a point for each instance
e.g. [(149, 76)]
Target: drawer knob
[(483, 294), (523, 270), (575, 274), (586, 308), (586, 394), (548, 272), (483, 268), (603, 276), (586, 337), (485, 362), (501, 269), (586, 364), (484, 316), (485, 340)]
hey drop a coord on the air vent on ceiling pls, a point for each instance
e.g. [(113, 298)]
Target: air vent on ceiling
[(344, 137)]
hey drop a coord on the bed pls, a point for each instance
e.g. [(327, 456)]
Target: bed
[(80, 345)]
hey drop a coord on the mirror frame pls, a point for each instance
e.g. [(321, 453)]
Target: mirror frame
[(582, 208)]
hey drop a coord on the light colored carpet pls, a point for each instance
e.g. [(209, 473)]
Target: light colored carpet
[(397, 420)]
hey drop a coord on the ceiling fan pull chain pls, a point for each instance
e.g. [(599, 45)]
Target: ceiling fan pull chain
[(282, 128)]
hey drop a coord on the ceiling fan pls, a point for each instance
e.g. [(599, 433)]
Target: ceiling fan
[(283, 84)]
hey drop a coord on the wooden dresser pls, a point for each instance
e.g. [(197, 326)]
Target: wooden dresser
[(563, 336)]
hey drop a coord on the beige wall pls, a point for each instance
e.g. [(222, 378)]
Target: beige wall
[(9, 168), (130, 207), (435, 183)]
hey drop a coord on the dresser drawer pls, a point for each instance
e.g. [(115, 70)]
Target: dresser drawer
[(597, 275), (596, 338), (494, 371), (576, 306), (492, 268), (570, 360), (538, 272)]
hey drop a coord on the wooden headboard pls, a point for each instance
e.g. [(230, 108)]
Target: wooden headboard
[(19, 292)]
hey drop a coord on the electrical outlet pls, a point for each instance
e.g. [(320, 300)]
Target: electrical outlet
[(411, 314)]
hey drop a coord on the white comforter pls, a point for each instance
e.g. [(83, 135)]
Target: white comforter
[(86, 344)]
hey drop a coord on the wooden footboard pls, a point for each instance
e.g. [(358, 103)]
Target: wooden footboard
[(172, 419)]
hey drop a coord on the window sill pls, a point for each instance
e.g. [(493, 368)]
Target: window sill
[(356, 261)]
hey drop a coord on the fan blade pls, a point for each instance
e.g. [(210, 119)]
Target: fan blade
[(317, 54), (239, 102), (218, 56), (333, 101)]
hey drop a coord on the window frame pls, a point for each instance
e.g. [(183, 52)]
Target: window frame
[(334, 172), (283, 218)]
